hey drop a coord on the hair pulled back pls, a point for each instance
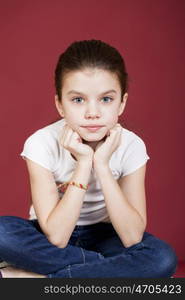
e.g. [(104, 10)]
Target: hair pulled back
[(90, 54)]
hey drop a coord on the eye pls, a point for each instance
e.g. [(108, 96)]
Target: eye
[(107, 99), (77, 100)]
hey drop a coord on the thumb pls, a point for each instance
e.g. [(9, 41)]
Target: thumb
[(77, 137)]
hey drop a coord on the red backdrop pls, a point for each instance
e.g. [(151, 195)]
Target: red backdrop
[(150, 36)]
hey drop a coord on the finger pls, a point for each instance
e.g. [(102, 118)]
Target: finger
[(111, 139), (68, 137), (75, 138), (115, 127), (108, 133), (119, 136), (64, 134), (115, 135), (118, 130), (113, 131)]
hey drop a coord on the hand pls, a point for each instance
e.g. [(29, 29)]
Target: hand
[(72, 141), (104, 149)]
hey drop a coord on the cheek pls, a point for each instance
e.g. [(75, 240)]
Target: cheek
[(71, 118), (71, 123), (112, 121)]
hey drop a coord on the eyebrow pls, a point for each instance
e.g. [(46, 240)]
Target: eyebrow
[(77, 92)]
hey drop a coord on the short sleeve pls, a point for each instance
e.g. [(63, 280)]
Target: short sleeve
[(38, 148), (136, 156)]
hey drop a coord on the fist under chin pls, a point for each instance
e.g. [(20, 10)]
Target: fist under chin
[(86, 140)]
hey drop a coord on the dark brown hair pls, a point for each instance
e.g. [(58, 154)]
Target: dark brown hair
[(94, 54)]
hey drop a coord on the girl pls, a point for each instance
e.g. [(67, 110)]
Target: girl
[(87, 173)]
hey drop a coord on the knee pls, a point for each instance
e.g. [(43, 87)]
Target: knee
[(8, 226), (5, 223), (4, 228), (165, 260)]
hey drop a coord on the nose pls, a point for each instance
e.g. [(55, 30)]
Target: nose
[(92, 111)]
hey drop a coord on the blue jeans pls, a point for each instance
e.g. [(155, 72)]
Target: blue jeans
[(93, 251)]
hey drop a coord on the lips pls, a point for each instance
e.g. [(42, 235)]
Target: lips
[(93, 128)]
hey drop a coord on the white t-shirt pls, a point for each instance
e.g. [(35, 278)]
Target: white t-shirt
[(43, 147)]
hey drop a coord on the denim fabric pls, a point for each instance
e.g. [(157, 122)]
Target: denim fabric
[(93, 251)]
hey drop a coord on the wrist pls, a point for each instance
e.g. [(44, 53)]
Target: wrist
[(101, 167), (85, 163)]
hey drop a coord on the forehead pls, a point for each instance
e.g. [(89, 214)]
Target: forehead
[(91, 79)]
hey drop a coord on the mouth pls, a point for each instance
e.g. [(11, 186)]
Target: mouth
[(92, 128)]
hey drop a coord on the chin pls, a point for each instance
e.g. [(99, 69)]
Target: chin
[(93, 139)]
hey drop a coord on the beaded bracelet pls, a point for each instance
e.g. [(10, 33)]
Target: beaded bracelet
[(63, 186)]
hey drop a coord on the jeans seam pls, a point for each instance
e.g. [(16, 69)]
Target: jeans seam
[(83, 254), (69, 271)]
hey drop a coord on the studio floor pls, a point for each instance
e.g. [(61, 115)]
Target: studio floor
[(180, 270)]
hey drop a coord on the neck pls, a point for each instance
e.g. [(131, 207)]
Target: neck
[(92, 144)]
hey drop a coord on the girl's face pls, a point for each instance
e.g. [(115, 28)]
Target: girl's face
[(91, 97)]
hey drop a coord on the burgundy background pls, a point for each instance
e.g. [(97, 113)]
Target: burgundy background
[(150, 36)]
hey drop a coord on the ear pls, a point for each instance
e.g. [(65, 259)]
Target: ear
[(59, 106), (123, 103)]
